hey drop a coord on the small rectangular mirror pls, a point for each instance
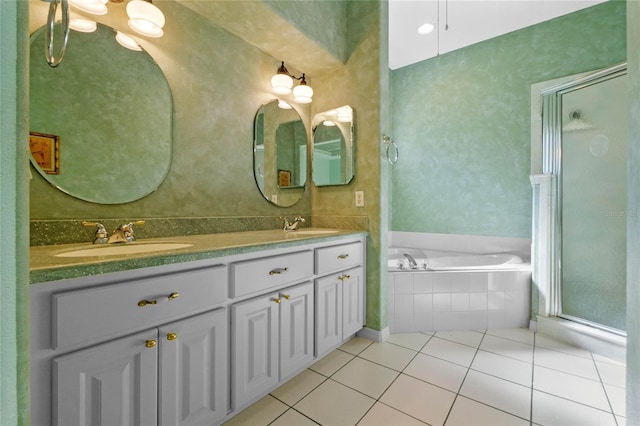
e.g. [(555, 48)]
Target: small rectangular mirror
[(333, 146)]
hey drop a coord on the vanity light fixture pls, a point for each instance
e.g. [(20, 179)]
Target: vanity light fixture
[(144, 17), (94, 7), (282, 82), (283, 104)]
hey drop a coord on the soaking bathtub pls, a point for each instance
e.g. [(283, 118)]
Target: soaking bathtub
[(434, 290)]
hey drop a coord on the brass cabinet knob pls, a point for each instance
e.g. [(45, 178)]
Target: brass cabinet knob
[(173, 295), (286, 296), (277, 300), (151, 343), (344, 277), (172, 336)]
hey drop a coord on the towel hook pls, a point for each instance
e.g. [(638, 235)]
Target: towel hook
[(391, 149)]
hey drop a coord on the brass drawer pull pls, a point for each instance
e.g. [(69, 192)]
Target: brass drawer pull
[(172, 336), (286, 296), (169, 298), (344, 277), (278, 271), (343, 256), (151, 343)]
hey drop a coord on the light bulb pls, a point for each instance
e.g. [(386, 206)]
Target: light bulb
[(303, 93), (94, 7), (145, 18), (83, 25), (126, 41), (281, 84)]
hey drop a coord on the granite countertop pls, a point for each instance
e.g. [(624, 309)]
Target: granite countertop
[(46, 264)]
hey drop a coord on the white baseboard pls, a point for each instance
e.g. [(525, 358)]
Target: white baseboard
[(375, 335), (592, 339)]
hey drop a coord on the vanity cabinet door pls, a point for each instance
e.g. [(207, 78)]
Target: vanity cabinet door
[(193, 370), (339, 308), (296, 329), (352, 301), (109, 384), (328, 313), (255, 348)]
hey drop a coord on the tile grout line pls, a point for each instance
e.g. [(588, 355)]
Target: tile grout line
[(463, 379), (377, 400), (604, 389)]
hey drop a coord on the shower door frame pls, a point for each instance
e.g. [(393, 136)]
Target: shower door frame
[(552, 165)]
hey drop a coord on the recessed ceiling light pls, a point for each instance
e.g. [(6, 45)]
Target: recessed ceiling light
[(426, 28)]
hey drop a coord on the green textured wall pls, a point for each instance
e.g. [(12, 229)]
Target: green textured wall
[(325, 22), (14, 208), (358, 84), (462, 122), (633, 221)]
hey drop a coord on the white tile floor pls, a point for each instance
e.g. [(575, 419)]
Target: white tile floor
[(466, 378)]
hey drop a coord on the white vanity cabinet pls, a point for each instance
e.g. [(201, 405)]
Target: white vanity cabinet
[(272, 339), (171, 375), (339, 295), (193, 342), (135, 348)]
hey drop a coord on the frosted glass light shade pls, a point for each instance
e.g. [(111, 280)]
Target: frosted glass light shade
[(303, 94), (126, 41), (283, 105), (145, 18), (281, 84), (83, 25), (94, 7)]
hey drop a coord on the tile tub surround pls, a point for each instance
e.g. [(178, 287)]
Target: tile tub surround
[(459, 300), (439, 301), (493, 377)]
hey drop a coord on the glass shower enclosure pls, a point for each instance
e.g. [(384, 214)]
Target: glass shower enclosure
[(585, 147)]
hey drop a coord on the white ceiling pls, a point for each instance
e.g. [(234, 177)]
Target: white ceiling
[(470, 21)]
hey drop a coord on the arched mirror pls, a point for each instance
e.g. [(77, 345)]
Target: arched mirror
[(280, 154), (101, 122), (333, 146)]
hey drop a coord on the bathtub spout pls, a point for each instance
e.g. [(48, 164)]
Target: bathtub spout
[(412, 262)]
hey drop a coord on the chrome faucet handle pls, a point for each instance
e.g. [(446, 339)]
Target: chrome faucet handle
[(285, 224), (101, 236), (124, 233)]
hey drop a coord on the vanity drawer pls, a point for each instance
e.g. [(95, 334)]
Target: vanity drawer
[(336, 258), (98, 313), (268, 272)]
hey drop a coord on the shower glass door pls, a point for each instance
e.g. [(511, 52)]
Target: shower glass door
[(592, 202)]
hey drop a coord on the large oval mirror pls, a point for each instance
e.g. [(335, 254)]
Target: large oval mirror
[(101, 122), (333, 146), (280, 153)]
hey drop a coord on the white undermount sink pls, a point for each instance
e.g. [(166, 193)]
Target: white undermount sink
[(310, 232), (120, 249)]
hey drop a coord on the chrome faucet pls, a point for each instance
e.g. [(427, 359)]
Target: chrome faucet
[(412, 262), (286, 226), (122, 234)]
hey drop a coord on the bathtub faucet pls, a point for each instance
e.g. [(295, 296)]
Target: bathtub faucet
[(412, 262)]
